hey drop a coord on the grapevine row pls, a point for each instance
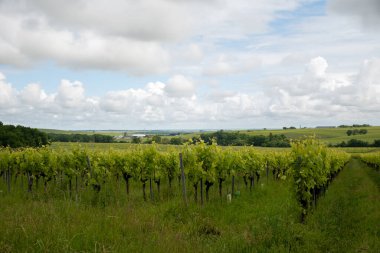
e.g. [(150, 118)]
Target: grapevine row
[(204, 166), (310, 164), (372, 159), (314, 167)]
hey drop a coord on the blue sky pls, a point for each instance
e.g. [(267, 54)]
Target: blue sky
[(163, 64)]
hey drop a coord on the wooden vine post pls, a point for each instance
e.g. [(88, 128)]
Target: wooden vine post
[(201, 191), (89, 165), (183, 179), (233, 185), (9, 179)]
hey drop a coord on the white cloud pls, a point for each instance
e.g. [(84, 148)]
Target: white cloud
[(179, 86), (365, 90), (318, 66), (232, 46), (70, 94), (328, 96), (368, 11), (33, 95), (25, 45), (138, 37), (317, 96), (233, 63), (192, 53), (7, 93)]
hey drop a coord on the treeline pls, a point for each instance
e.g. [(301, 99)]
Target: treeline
[(54, 137), (241, 139), (356, 131), (20, 136), (357, 143), (223, 138), (354, 125)]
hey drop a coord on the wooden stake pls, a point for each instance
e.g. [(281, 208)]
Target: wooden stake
[(151, 190), (183, 179), (9, 180), (233, 186), (202, 191)]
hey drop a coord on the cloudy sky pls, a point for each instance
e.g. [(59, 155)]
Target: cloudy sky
[(189, 64)]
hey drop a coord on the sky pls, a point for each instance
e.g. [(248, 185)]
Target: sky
[(189, 64)]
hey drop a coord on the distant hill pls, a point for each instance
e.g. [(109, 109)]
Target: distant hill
[(328, 135)]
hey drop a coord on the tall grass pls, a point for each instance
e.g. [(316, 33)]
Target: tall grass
[(264, 220)]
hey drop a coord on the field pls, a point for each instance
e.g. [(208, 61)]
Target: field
[(326, 135), (264, 219), (126, 146)]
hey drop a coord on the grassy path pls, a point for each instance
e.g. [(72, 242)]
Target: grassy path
[(347, 219)]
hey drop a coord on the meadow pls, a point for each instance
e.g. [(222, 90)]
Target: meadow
[(326, 135)]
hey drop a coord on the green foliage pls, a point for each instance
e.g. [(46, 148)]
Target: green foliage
[(96, 168), (98, 138), (356, 131), (176, 141), (20, 136), (227, 138), (136, 140), (191, 164), (265, 220), (372, 159), (313, 165), (171, 164), (206, 156), (224, 163), (358, 143)]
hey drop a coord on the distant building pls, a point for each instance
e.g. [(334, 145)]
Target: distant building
[(119, 137), (124, 136), (138, 135)]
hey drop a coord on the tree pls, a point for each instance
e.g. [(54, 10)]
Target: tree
[(176, 141), (349, 132), (376, 143), (20, 136), (156, 139), (136, 140)]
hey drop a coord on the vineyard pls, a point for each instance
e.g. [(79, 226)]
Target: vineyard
[(193, 198), (196, 167), (372, 159)]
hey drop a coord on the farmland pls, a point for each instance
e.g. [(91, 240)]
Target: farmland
[(265, 217), (190, 126), (326, 135)]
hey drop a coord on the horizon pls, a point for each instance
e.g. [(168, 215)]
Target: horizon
[(200, 130)]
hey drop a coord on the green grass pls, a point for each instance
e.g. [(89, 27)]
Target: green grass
[(360, 150), (42, 223), (107, 146), (162, 147), (327, 135), (347, 218), (265, 220)]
